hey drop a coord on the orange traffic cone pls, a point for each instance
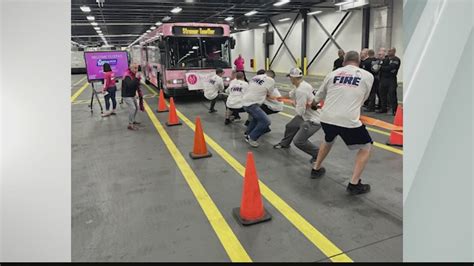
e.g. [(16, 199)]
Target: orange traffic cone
[(398, 120), (251, 209), (173, 117), (396, 138), (161, 103), (200, 149)]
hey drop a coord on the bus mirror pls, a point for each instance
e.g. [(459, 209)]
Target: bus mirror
[(232, 43)]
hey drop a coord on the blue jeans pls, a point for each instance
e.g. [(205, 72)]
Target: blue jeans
[(259, 123), (110, 96)]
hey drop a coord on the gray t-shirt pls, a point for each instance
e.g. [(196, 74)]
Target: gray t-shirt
[(344, 92)]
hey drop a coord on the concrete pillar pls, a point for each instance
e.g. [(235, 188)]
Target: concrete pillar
[(382, 23)]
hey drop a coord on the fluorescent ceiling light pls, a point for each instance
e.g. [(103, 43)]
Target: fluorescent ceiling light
[(191, 52), (90, 18), (251, 13), (229, 18), (99, 31), (85, 9), (343, 3), (166, 18), (281, 2), (284, 19), (96, 28), (314, 12), (176, 10), (148, 31), (195, 47), (263, 24), (158, 23), (94, 23), (152, 28)]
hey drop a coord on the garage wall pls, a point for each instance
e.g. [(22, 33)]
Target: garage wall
[(349, 37), (397, 32)]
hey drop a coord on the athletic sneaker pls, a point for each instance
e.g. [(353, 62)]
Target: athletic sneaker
[(212, 111), (253, 143), (279, 146), (227, 121), (267, 130), (130, 127), (136, 123), (237, 119), (317, 173), (358, 189)]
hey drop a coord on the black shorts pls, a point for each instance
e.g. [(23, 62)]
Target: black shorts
[(355, 138)]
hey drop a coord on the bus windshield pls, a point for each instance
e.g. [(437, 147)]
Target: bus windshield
[(203, 52)]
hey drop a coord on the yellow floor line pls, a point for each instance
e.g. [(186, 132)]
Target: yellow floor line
[(79, 91), (228, 239), (307, 229), (376, 144), (388, 148), (79, 81)]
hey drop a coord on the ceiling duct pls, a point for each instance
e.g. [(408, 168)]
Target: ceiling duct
[(350, 5)]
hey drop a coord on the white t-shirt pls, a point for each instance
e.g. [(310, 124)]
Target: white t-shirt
[(274, 105), (259, 87), (344, 92), (303, 96), (236, 90), (213, 87)]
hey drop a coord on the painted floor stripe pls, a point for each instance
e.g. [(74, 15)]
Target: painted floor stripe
[(79, 81), (307, 229), (79, 91), (228, 239)]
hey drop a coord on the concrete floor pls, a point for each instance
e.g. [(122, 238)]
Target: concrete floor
[(131, 203)]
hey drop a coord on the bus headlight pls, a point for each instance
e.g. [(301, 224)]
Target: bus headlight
[(175, 81)]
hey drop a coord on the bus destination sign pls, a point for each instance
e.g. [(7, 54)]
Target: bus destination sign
[(209, 31)]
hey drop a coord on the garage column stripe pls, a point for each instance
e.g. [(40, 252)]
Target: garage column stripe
[(229, 241)]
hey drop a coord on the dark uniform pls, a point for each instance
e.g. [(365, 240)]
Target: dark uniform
[(338, 63), (388, 83), (367, 65)]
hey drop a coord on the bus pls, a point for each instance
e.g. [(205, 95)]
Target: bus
[(180, 57)]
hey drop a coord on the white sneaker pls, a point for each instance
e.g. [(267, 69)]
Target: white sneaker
[(253, 143), (237, 119)]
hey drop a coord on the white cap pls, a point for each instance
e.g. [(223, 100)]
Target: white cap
[(295, 73)]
